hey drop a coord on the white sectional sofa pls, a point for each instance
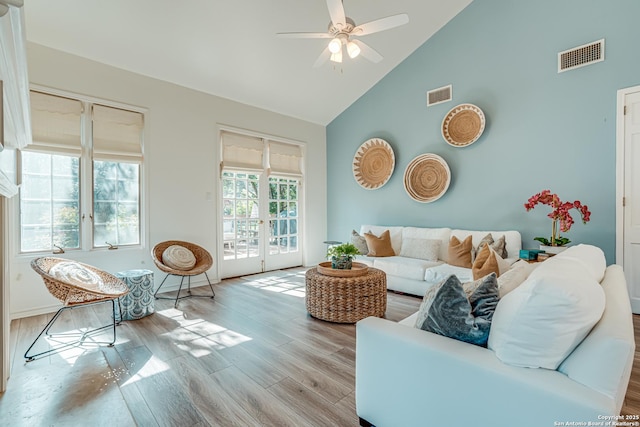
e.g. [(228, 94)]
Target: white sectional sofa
[(414, 276), (410, 377)]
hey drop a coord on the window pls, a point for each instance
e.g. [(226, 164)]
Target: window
[(81, 176), (49, 202)]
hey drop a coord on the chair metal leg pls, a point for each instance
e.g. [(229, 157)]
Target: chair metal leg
[(189, 294), (158, 290), (213, 294), (82, 336)]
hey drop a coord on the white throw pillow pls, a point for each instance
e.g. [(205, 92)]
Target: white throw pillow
[(591, 257), (538, 324), (178, 257), (427, 249), (440, 272), (76, 274)]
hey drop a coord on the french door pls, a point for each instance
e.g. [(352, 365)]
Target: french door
[(629, 147), (260, 223)]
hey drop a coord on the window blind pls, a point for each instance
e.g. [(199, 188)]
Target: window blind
[(241, 152), (285, 159), (117, 134), (55, 124)]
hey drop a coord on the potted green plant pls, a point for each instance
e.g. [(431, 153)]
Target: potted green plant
[(342, 255)]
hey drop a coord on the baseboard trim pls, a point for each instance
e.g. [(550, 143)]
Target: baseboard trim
[(168, 287)]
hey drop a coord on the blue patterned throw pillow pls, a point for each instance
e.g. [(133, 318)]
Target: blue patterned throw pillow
[(447, 309)]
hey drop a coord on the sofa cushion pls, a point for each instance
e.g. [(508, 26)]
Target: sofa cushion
[(610, 344), (541, 321), (379, 246), (442, 234), (438, 273), (447, 309), (179, 258), (460, 252), (427, 249), (359, 242), (76, 274), (407, 268)]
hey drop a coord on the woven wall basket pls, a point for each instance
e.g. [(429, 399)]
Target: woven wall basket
[(427, 178), (373, 163), (463, 125)]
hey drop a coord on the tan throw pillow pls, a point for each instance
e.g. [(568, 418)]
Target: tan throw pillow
[(488, 261), (178, 257), (379, 246), (485, 263), (460, 252)]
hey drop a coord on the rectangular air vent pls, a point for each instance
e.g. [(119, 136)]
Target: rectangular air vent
[(437, 96), (580, 56)]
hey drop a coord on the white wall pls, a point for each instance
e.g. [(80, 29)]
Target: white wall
[(181, 152)]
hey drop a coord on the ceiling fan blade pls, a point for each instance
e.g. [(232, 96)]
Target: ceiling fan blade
[(380, 25), (368, 52), (336, 11), (324, 56), (303, 35)]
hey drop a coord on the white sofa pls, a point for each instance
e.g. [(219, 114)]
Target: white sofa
[(414, 276), (410, 377)]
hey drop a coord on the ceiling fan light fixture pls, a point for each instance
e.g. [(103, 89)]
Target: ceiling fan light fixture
[(336, 57), (353, 50), (335, 45)]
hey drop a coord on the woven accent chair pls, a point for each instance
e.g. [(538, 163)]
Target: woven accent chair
[(204, 262), (74, 296)]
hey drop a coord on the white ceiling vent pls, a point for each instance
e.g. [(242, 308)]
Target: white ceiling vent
[(437, 96), (580, 56)]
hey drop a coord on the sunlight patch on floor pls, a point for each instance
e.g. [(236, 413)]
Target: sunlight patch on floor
[(151, 367), (278, 283)]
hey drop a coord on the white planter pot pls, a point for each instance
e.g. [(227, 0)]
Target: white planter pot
[(552, 250)]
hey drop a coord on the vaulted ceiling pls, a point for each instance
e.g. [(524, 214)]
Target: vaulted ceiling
[(230, 49)]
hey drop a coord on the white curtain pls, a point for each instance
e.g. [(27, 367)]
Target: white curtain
[(13, 73)]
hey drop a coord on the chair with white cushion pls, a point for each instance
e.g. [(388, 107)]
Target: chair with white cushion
[(184, 259), (76, 285)]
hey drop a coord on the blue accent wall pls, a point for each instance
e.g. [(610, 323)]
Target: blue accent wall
[(545, 130)]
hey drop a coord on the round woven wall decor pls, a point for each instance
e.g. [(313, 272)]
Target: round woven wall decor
[(463, 125), (373, 163), (427, 178)]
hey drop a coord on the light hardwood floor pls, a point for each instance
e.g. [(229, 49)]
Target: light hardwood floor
[(251, 357)]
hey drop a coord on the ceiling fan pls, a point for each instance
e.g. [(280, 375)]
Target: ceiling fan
[(342, 32)]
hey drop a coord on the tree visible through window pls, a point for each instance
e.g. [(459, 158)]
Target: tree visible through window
[(283, 214), (49, 202), (116, 203)]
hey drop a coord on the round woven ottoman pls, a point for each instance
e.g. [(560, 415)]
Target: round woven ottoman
[(346, 299)]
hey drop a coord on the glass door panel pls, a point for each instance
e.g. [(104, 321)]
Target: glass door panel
[(241, 225), (284, 216)]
